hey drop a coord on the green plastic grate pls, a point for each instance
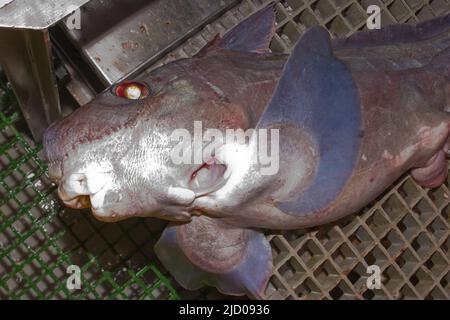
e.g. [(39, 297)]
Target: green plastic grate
[(39, 239)]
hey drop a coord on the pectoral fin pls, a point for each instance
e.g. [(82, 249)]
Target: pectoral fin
[(317, 94), (206, 251)]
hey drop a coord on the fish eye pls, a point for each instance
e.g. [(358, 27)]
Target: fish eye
[(132, 90)]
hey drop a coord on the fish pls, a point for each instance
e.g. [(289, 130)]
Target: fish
[(327, 128)]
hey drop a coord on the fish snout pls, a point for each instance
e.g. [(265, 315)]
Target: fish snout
[(77, 189)]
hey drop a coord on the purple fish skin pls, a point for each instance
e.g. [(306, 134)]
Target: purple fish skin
[(353, 115)]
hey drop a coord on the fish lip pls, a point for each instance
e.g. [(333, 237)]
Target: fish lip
[(80, 201), (62, 194)]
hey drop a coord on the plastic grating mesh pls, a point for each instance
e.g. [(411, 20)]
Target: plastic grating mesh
[(405, 232), (39, 239)]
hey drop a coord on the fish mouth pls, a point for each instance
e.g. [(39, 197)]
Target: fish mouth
[(74, 202), (80, 202), (56, 176), (81, 190)]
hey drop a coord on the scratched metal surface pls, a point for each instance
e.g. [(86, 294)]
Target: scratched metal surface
[(118, 37), (405, 231), (35, 14)]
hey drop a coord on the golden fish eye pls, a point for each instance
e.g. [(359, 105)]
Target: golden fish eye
[(132, 90)]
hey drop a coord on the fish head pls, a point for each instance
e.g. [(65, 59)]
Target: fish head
[(116, 153)]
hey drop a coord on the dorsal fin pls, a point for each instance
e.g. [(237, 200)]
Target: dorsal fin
[(251, 35)]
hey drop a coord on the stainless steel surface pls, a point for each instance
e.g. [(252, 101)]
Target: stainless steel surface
[(119, 38), (77, 87), (35, 14), (27, 61)]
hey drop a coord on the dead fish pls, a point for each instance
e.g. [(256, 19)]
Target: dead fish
[(352, 116)]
